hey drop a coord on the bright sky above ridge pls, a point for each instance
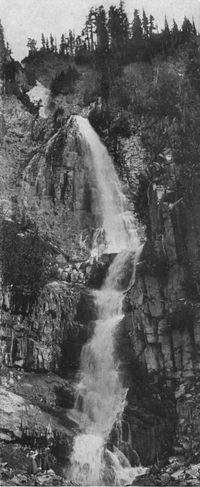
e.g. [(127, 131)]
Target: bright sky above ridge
[(29, 18)]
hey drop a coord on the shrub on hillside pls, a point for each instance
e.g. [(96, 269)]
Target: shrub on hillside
[(64, 82)]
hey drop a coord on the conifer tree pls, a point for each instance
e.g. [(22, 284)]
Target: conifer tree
[(187, 29), (136, 26), (52, 47), (43, 43), (47, 44), (62, 49), (101, 30), (91, 28), (175, 35), (31, 44), (71, 43), (145, 24), (2, 52), (166, 36), (118, 28), (124, 25), (56, 46), (194, 30), (152, 27)]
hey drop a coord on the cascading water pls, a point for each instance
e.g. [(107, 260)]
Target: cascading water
[(111, 205), (100, 394)]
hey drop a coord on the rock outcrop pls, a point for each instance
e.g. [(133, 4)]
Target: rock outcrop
[(42, 332), (160, 331)]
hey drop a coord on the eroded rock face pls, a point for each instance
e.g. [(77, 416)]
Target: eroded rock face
[(59, 188), (163, 323), (160, 330), (48, 337)]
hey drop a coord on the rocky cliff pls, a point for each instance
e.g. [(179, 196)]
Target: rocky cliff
[(160, 331), (47, 224), (54, 207)]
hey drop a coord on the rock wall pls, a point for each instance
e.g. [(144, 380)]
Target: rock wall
[(59, 190), (161, 324), (49, 336), (164, 314), (45, 185)]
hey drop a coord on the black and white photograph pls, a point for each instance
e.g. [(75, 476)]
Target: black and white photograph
[(99, 243)]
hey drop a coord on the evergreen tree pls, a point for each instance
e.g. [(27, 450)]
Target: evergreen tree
[(91, 28), (71, 43), (175, 35), (194, 30), (166, 36), (86, 36), (152, 27), (78, 45), (114, 28), (31, 44), (2, 54), (43, 43), (101, 30), (56, 46), (137, 26), (47, 44), (2, 41), (187, 29), (145, 24), (124, 26), (62, 49), (52, 46)]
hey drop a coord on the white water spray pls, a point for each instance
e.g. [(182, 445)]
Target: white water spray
[(100, 395)]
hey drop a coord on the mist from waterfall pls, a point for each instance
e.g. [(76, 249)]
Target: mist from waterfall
[(100, 394)]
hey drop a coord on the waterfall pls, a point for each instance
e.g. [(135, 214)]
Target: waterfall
[(111, 205), (100, 394)]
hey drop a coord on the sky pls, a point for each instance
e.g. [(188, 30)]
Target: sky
[(29, 18)]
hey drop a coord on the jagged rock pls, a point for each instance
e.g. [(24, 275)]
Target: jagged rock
[(23, 421), (41, 341)]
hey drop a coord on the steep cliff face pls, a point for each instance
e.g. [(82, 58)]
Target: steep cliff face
[(46, 196), (164, 334), (54, 194), (161, 325)]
